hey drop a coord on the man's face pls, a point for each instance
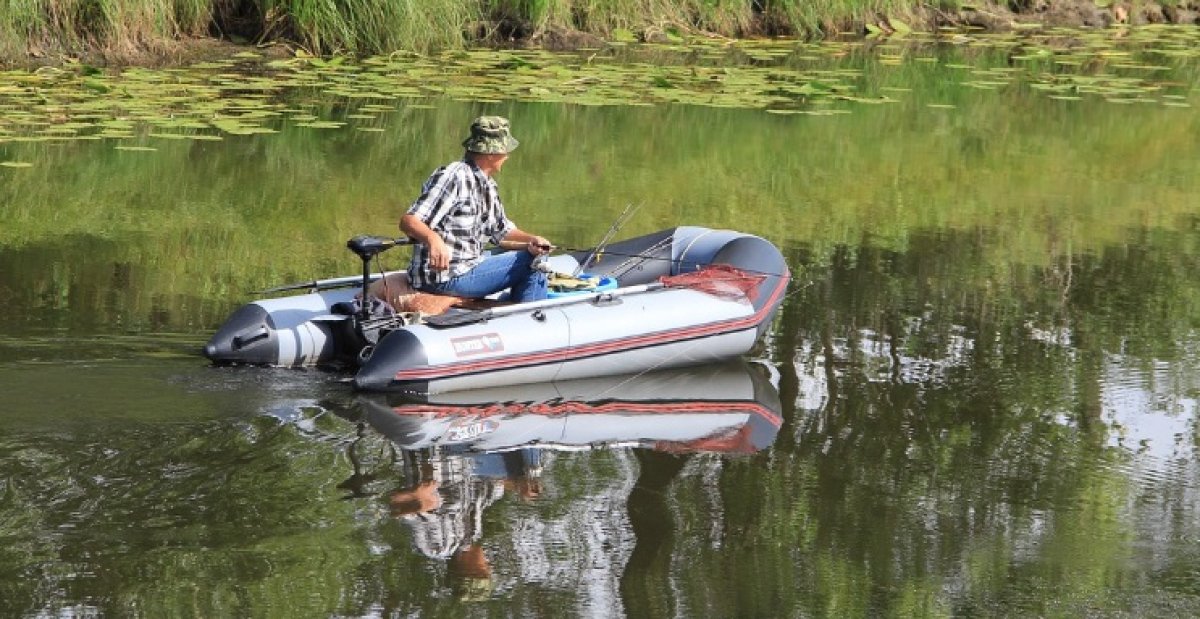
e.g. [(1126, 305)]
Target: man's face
[(492, 163)]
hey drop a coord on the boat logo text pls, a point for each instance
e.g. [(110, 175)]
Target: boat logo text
[(472, 428), (477, 344)]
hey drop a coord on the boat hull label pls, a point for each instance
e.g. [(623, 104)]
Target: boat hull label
[(470, 429), (477, 345)]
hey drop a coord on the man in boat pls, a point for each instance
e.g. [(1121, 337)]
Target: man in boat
[(458, 210)]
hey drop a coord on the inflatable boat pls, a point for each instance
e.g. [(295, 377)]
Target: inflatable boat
[(678, 297), (721, 408)]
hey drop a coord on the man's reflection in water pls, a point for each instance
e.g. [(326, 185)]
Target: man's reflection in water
[(444, 502)]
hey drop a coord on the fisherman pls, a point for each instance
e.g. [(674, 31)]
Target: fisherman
[(458, 210)]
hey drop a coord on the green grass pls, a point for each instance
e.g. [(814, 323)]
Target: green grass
[(814, 16), (375, 26), (38, 26), (725, 17), (128, 27), (366, 26), (540, 14)]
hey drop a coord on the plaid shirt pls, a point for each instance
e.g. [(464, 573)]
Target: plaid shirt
[(462, 205)]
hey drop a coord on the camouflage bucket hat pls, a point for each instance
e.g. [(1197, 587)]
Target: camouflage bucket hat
[(490, 136)]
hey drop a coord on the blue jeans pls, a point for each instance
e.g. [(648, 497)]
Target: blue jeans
[(497, 272)]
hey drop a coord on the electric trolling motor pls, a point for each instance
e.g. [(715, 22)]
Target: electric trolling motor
[(367, 247)]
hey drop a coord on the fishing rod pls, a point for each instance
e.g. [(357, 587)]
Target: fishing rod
[(365, 247), (597, 297), (596, 253), (625, 216), (648, 257)]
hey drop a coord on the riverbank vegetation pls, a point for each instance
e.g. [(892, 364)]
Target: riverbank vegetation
[(137, 29)]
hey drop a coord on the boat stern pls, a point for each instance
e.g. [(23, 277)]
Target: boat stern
[(248, 336), (287, 331), (398, 350)]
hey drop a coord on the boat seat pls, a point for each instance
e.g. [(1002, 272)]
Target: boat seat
[(394, 289)]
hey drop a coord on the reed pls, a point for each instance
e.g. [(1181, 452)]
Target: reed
[(370, 26), (726, 17), (809, 17), (540, 14), (119, 26), (382, 26), (375, 26)]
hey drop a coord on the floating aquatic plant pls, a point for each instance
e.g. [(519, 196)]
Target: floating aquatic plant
[(247, 95)]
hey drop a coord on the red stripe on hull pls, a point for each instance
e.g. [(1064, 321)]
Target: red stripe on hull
[(584, 408)]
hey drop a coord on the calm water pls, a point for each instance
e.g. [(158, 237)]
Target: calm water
[(979, 398)]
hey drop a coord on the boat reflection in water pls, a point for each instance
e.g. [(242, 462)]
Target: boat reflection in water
[(463, 451), (722, 408)]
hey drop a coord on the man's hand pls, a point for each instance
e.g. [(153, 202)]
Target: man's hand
[(439, 254), (538, 246), (531, 243)]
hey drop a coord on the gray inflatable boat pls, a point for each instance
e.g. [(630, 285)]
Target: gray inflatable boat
[(678, 297)]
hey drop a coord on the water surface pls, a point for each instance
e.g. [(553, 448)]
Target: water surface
[(982, 380)]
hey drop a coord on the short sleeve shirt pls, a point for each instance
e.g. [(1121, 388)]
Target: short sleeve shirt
[(462, 205)]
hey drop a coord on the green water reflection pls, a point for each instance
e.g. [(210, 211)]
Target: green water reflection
[(986, 363)]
